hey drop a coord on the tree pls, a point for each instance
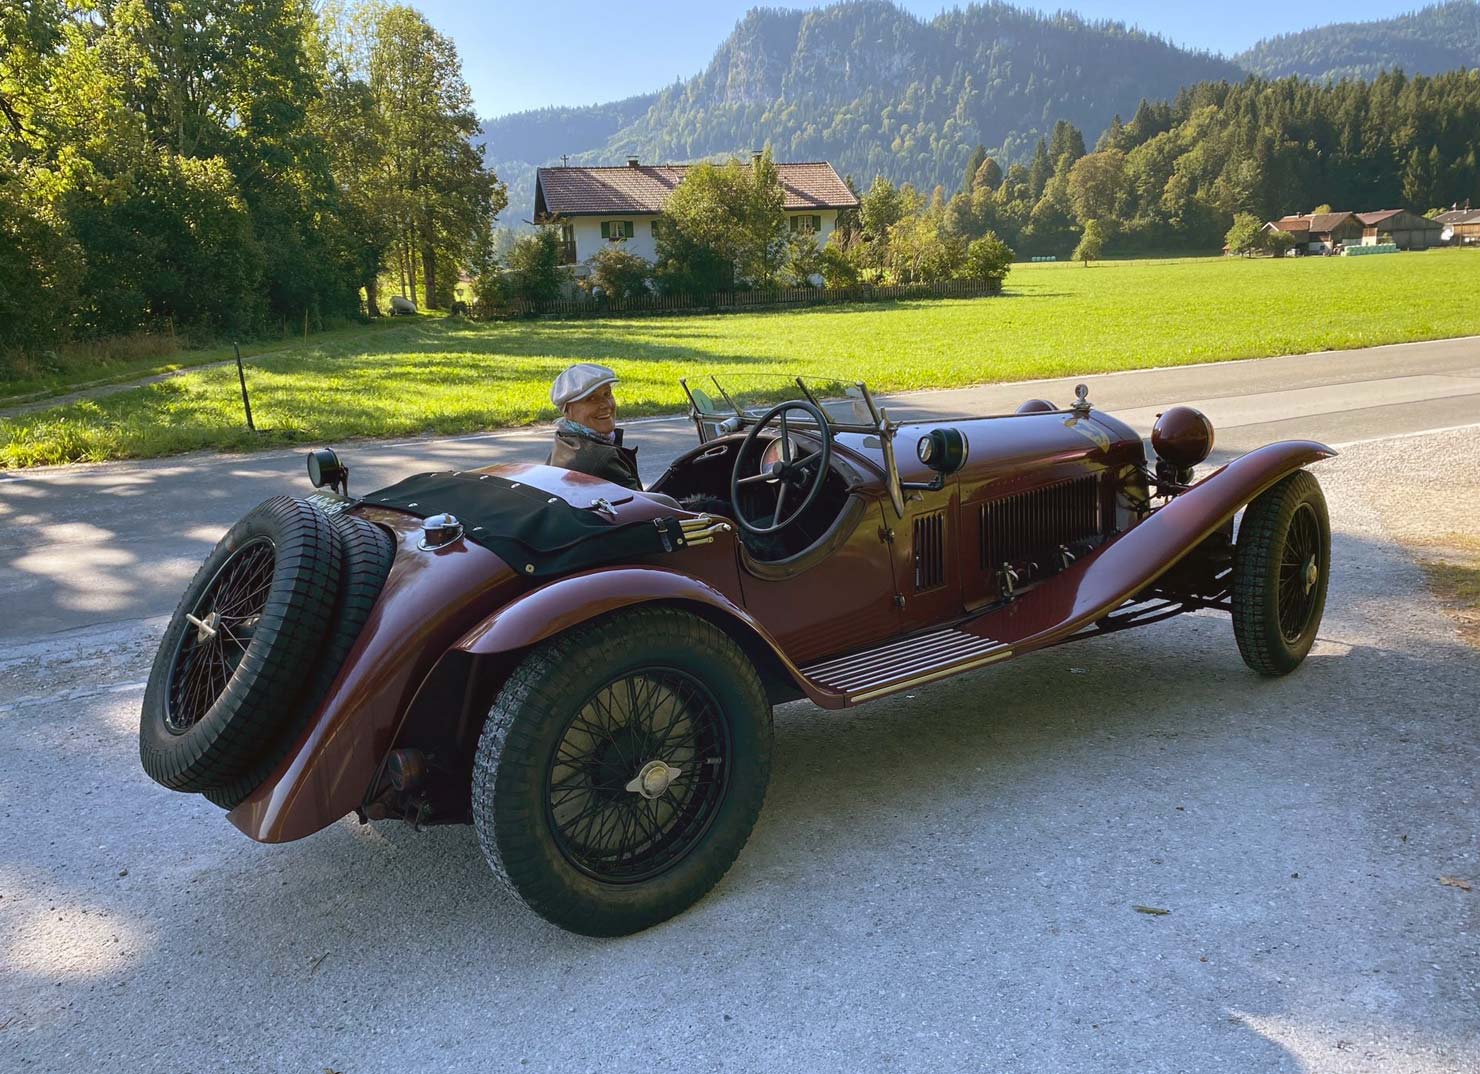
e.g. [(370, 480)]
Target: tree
[(443, 199), (1246, 236), (1091, 243), (973, 163), (535, 272), (737, 212), (1095, 184), (879, 209), (989, 175), (988, 259), (618, 274)]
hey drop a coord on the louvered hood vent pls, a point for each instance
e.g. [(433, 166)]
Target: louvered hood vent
[(930, 551), (1030, 526)]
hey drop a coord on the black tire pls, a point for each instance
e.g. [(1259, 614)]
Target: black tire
[(1281, 567), (366, 552), (530, 726), (280, 564)]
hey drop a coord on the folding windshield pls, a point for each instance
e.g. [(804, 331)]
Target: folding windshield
[(736, 398)]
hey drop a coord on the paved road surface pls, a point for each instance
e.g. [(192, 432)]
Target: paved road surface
[(84, 545), (942, 881)]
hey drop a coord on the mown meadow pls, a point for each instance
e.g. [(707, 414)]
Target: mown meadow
[(441, 376)]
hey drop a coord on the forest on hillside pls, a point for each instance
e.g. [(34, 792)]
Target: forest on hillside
[(1175, 175), (875, 90), (1443, 37)]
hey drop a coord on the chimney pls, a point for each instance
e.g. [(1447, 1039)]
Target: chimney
[(631, 162), (755, 156)]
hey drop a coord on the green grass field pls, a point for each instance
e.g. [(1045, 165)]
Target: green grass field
[(439, 376)]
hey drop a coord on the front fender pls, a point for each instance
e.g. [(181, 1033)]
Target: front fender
[(1137, 558)]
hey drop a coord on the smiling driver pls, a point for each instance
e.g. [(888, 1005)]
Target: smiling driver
[(586, 437)]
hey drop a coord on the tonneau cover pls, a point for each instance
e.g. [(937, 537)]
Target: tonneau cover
[(537, 533)]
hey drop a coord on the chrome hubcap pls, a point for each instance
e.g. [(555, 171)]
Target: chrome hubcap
[(1312, 574), (652, 779)]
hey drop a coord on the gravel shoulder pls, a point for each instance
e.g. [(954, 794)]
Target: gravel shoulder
[(943, 881)]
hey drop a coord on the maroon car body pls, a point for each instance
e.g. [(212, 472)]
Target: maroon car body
[(882, 600)]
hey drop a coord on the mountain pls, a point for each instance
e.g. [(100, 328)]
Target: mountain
[(1439, 38), (873, 89)]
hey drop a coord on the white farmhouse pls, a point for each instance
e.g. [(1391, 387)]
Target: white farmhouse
[(593, 206)]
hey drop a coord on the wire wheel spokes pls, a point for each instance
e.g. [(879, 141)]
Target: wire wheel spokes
[(607, 820), (218, 634), (1300, 573)]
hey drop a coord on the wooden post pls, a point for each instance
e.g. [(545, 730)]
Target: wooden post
[(305, 324), (241, 375)]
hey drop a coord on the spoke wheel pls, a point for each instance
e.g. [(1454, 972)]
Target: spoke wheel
[(1300, 567), (248, 631), (224, 618), (621, 768), (1281, 565), (638, 776)]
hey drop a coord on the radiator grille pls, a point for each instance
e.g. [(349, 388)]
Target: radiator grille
[(1030, 526), (930, 551)]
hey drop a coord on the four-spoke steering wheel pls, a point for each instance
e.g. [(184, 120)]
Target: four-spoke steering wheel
[(803, 475)]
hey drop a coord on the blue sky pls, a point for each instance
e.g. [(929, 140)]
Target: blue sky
[(525, 55)]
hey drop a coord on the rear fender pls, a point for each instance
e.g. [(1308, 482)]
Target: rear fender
[(568, 602)]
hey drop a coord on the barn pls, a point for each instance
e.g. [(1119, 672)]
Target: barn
[(1404, 229), (1319, 233)]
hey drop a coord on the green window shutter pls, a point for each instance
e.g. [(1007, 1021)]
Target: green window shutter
[(816, 223), (606, 229), (626, 229)]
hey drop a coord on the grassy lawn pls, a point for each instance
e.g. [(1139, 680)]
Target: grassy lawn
[(438, 376)]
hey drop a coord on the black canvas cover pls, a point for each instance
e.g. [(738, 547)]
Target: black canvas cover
[(537, 534)]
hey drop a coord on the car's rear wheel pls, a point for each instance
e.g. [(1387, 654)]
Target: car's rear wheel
[(621, 770), (236, 652), (1281, 567)]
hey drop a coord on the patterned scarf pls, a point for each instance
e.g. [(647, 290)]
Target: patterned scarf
[(575, 428)]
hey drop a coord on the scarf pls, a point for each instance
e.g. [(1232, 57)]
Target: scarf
[(575, 428)]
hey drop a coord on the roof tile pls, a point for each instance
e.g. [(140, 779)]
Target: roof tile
[(643, 189)]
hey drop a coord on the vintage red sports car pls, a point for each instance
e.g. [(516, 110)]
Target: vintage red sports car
[(586, 673)]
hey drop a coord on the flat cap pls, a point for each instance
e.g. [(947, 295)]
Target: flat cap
[(579, 381)]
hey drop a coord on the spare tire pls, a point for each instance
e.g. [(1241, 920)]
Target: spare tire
[(366, 552), (239, 646)]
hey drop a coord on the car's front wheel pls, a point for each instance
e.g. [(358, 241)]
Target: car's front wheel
[(621, 770), (1281, 565)]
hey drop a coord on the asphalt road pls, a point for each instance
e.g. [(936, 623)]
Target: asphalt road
[(85, 545), (948, 880)]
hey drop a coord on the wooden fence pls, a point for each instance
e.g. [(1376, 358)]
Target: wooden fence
[(723, 301)]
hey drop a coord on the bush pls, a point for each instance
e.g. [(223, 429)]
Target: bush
[(988, 259), (803, 264), (617, 274), (535, 272), (840, 267)]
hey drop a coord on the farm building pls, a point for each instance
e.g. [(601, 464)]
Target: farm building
[(1405, 230), (595, 206), (1460, 227), (1319, 233)]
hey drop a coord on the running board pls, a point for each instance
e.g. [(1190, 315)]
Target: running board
[(900, 665)]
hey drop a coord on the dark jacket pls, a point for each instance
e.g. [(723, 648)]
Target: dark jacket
[(610, 462)]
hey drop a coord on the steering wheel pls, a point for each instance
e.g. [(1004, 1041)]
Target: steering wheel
[(805, 474)]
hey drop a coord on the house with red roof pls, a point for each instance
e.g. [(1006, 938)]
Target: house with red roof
[(595, 206)]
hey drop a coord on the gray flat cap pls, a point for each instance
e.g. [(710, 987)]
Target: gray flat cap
[(579, 381)]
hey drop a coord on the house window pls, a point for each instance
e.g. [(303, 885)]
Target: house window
[(809, 223), (567, 233), (616, 230), (656, 229)]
